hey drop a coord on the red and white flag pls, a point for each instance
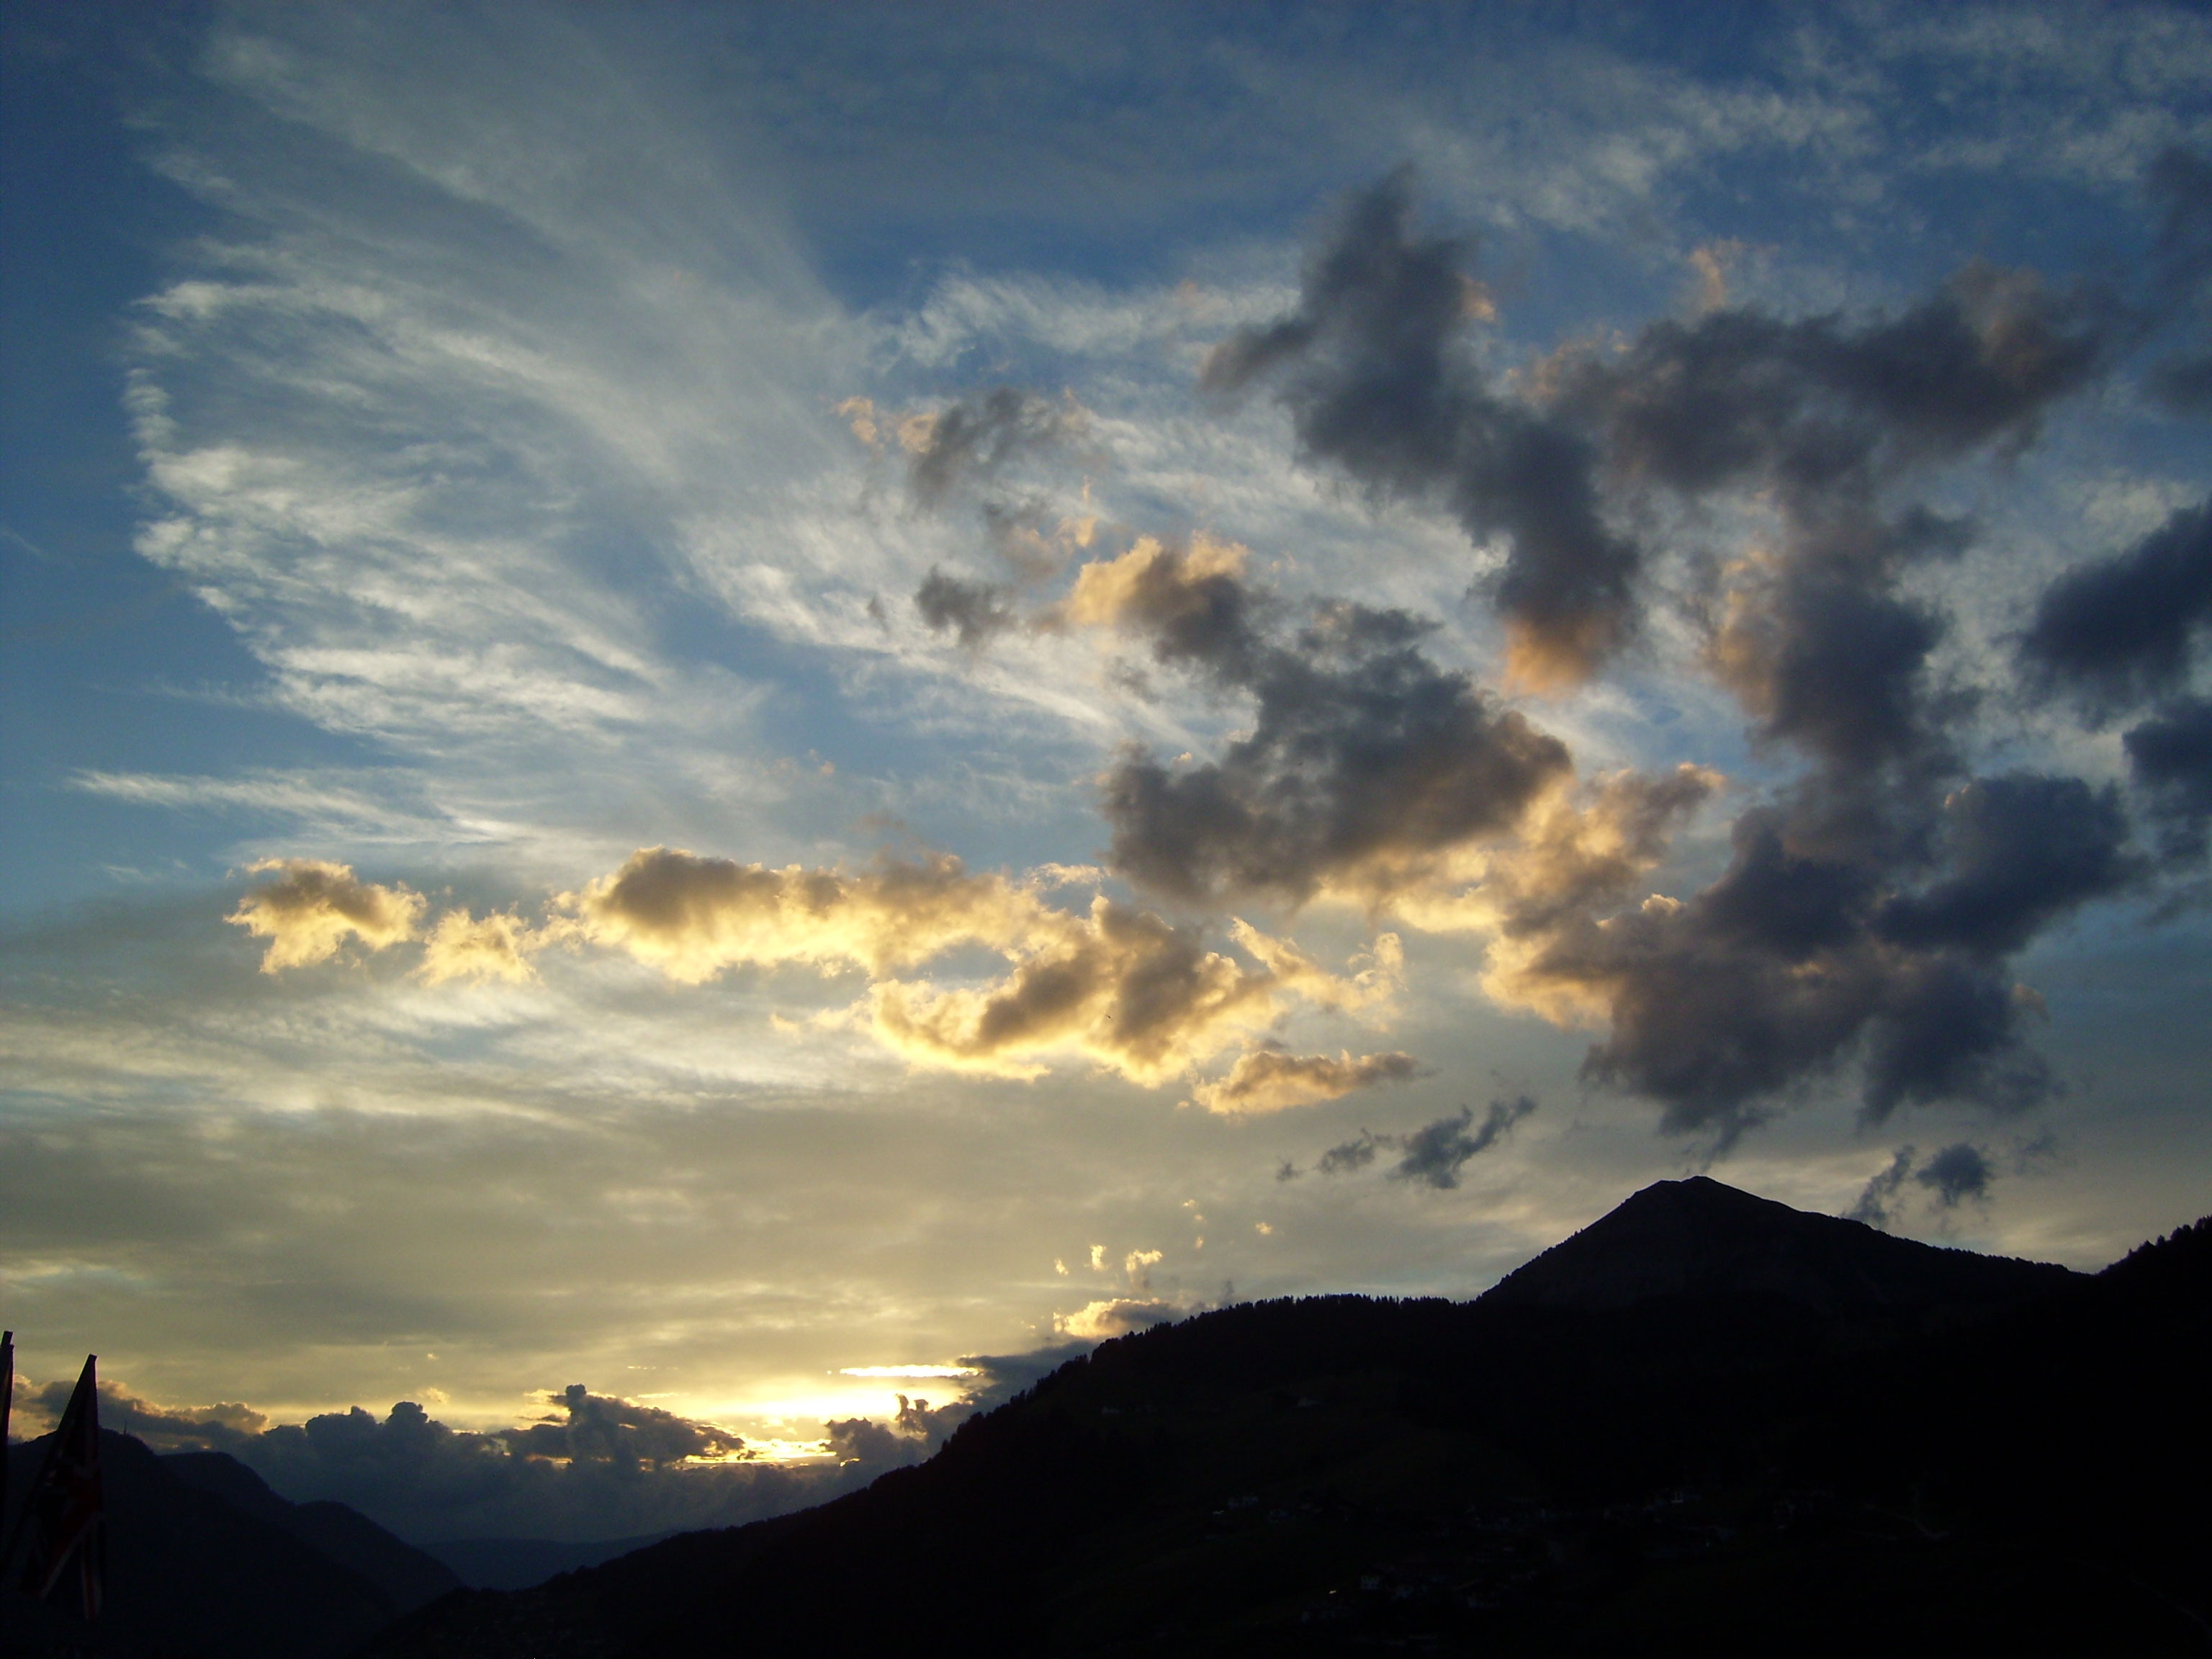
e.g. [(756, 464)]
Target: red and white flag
[(63, 1510)]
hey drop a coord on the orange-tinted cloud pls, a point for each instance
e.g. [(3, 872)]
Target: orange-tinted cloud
[(1270, 1080), (313, 906), (463, 947), (1118, 985)]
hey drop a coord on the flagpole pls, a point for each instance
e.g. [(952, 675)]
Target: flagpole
[(8, 1535), (7, 1403)]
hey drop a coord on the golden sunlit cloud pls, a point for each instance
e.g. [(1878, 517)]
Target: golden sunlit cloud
[(1101, 1320), (1120, 987), (1153, 582), (463, 947), (313, 906), (1270, 1080)]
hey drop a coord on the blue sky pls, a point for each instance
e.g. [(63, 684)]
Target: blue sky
[(1549, 601)]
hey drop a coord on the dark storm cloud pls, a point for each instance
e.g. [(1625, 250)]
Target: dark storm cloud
[(1957, 1173), (1375, 369), (2118, 632), (1836, 666), (1871, 903), (1433, 1154), (1365, 761), (2022, 850), (1795, 959), (1820, 408), (2122, 632), (1818, 638), (977, 438), (1950, 1027), (975, 611), (2171, 758)]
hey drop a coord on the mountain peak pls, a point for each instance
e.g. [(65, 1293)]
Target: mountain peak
[(1699, 1236)]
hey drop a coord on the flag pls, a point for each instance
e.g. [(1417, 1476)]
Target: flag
[(63, 1510)]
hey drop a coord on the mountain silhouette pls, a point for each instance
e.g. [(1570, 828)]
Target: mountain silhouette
[(519, 1563), (1707, 1424), (408, 1577), (203, 1559), (1700, 1237)]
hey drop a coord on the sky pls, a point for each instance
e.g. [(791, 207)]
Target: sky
[(714, 713)]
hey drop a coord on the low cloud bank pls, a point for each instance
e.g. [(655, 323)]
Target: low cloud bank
[(594, 1467)]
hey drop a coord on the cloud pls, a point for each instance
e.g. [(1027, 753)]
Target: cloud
[(313, 906), (1368, 769), (1347, 1156), (1794, 954), (1371, 774), (861, 1441), (978, 437), (603, 1428), (694, 917), (495, 946), (1870, 901), (2118, 632), (1433, 1154), (1137, 1267), (2180, 182), (1190, 601), (1955, 1173), (1877, 1199), (227, 1425), (1868, 909), (1270, 1080), (1951, 1175), (2018, 851), (1112, 1316), (600, 1468), (1436, 1152), (1119, 986), (996, 1379), (1821, 408), (975, 611), (2171, 758), (1375, 369)]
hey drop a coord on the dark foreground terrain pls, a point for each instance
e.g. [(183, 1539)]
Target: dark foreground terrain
[(1707, 1424), (203, 1559)]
